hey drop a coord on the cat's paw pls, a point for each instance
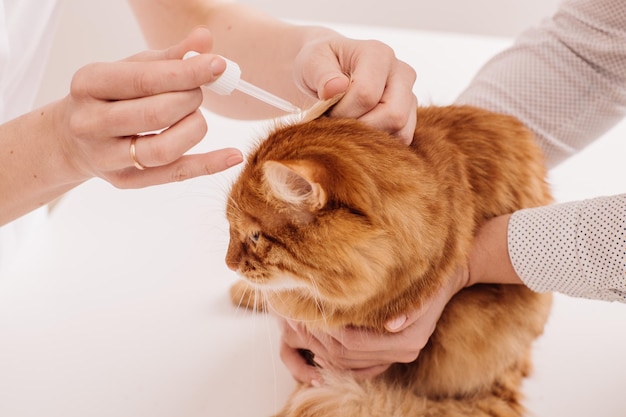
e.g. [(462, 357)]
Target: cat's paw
[(244, 295)]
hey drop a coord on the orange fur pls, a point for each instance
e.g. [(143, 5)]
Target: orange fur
[(336, 224)]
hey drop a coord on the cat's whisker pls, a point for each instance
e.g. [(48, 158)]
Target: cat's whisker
[(278, 313), (240, 304), (317, 297), (318, 303)]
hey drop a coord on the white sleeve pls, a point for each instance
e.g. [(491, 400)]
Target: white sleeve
[(565, 79), (578, 248)]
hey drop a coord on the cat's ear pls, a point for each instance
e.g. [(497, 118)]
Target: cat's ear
[(294, 183), (321, 108)]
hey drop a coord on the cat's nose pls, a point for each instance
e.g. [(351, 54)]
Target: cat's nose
[(233, 256), (231, 263)]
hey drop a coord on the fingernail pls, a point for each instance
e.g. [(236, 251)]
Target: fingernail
[(218, 65), (234, 160), (333, 87), (396, 323), (332, 80)]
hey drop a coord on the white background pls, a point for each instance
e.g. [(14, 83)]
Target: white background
[(121, 309)]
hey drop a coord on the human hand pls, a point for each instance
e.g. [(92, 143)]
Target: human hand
[(378, 86), (153, 91), (366, 353)]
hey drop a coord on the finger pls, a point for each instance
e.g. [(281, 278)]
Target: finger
[(395, 116), (352, 348), (330, 349), (369, 72), (397, 324), (378, 361), (146, 114), (125, 80), (297, 336), (396, 112), (169, 145), (333, 87), (297, 365), (186, 167), (407, 133), (325, 77), (403, 321), (362, 348), (369, 372)]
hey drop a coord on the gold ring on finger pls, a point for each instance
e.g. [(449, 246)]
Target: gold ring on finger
[(133, 154)]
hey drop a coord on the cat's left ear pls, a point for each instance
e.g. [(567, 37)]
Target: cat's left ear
[(294, 183), (321, 108)]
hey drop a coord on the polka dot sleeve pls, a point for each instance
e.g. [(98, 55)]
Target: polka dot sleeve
[(578, 248), (566, 80)]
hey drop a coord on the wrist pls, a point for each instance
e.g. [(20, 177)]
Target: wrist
[(36, 169), (489, 261), (67, 161)]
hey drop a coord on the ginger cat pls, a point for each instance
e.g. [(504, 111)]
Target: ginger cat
[(334, 223)]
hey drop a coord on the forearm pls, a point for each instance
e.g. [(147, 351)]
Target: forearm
[(573, 248), (35, 168), (565, 79), (265, 48), (576, 248)]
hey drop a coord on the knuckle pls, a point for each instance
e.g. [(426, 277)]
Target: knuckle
[(396, 119), (151, 116), (379, 47), (78, 125), (366, 98), (195, 99), (209, 169), (79, 85), (143, 83), (409, 70), (160, 155), (181, 173), (120, 180), (350, 343), (337, 351)]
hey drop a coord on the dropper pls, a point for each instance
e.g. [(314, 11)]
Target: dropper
[(231, 80)]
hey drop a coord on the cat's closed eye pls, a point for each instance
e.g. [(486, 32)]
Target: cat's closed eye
[(254, 237)]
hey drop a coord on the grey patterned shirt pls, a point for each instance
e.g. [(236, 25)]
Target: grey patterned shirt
[(566, 80)]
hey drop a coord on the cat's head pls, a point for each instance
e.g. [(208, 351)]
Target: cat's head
[(331, 209)]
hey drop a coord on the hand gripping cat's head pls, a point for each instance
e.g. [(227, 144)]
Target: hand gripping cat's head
[(333, 215)]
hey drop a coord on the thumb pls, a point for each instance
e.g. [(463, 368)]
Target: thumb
[(319, 73), (333, 85)]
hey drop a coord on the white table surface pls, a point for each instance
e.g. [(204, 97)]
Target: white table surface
[(120, 307)]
